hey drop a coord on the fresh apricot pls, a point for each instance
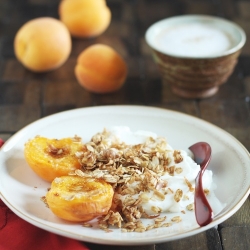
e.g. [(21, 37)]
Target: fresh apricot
[(42, 44), (51, 158), (100, 69), (75, 198), (85, 18)]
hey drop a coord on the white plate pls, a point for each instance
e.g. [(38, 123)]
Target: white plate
[(21, 189)]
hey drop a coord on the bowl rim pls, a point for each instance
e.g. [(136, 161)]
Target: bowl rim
[(189, 17)]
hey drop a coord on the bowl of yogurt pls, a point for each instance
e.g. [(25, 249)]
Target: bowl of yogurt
[(195, 53)]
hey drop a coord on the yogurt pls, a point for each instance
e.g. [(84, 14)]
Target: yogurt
[(195, 36), (180, 180), (193, 40)]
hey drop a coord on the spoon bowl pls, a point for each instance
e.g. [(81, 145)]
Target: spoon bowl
[(202, 155)]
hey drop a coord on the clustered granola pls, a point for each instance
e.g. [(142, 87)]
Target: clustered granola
[(134, 171)]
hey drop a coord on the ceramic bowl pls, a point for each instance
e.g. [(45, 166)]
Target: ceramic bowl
[(195, 53)]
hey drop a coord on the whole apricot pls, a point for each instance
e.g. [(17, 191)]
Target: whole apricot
[(85, 18), (100, 69), (42, 44)]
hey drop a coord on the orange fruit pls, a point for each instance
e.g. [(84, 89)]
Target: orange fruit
[(100, 69), (51, 158), (42, 44), (85, 18), (75, 198)]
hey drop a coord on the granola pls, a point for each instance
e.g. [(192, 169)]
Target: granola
[(149, 178)]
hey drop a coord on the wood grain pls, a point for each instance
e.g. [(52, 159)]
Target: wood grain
[(26, 96)]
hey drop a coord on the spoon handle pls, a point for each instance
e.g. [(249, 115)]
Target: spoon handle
[(203, 211), (202, 156)]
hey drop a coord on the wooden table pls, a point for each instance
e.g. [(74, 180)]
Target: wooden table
[(26, 96)]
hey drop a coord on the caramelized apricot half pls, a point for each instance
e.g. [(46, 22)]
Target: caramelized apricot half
[(79, 199), (51, 158)]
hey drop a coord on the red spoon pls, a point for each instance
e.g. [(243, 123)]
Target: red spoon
[(1, 142), (203, 211)]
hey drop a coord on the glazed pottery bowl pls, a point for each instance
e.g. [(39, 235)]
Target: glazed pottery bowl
[(195, 53)]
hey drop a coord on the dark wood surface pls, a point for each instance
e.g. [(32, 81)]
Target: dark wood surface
[(26, 96)]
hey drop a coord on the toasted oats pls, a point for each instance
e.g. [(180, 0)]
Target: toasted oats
[(171, 170), (103, 224), (129, 201), (191, 189), (178, 170), (160, 219), (150, 227), (87, 225), (77, 138), (133, 171), (140, 229), (115, 219), (57, 152), (90, 148), (129, 225), (43, 199), (178, 195), (190, 207), (159, 195), (156, 210), (177, 156), (206, 191), (166, 224), (110, 178), (176, 219), (78, 154), (139, 223), (157, 225), (144, 197)]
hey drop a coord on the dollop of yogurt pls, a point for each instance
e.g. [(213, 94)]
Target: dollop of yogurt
[(178, 188)]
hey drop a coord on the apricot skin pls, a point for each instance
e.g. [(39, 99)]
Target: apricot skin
[(85, 18), (79, 199), (100, 69), (42, 44)]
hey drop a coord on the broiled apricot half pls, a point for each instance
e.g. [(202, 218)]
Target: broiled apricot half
[(51, 158), (79, 199)]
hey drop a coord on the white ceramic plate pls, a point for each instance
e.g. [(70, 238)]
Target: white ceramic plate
[(21, 189)]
